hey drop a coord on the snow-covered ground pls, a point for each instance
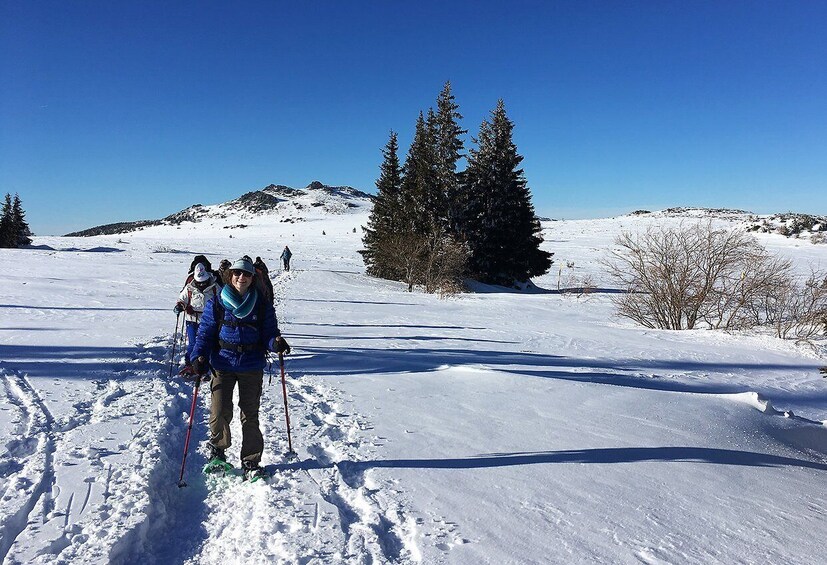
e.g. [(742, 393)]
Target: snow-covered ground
[(493, 427)]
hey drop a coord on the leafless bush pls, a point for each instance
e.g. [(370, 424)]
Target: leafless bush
[(400, 255), (436, 263), (443, 265), (569, 283), (740, 300), (799, 310), (674, 278)]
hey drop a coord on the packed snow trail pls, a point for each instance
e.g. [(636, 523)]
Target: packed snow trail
[(307, 512)]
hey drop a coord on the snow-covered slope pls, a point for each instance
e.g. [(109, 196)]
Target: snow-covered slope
[(495, 427), (271, 203)]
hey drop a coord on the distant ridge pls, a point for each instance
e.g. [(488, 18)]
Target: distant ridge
[(273, 198), (789, 224)]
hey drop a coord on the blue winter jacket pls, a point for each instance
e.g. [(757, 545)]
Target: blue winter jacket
[(249, 331)]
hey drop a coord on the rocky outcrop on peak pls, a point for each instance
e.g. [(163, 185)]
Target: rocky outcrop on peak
[(343, 191)]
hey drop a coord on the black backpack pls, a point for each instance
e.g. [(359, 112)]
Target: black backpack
[(263, 278)]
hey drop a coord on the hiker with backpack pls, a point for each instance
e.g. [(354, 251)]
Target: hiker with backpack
[(264, 274), (200, 287), (223, 267), (238, 328), (285, 257)]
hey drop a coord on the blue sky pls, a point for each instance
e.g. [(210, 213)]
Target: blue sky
[(114, 111)]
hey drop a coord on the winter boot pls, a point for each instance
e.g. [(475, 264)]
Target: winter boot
[(253, 471), (217, 465)]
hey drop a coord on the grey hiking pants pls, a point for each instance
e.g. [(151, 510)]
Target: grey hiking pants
[(250, 385)]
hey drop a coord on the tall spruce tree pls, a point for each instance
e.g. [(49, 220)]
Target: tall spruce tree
[(384, 219), (448, 151), (421, 202), (501, 227), (6, 224), (20, 227)]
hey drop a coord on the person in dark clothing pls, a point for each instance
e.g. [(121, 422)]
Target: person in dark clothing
[(237, 328), (263, 274), (285, 257)]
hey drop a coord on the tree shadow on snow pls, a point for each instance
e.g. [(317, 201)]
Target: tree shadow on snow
[(409, 326), (676, 454), (635, 373), (397, 337), (77, 362), (477, 287), (354, 302), (97, 309)]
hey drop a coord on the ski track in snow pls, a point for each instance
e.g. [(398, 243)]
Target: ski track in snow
[(81, 524)]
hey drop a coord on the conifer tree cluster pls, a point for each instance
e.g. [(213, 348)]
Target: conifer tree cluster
[(432, 225), (14, 230)]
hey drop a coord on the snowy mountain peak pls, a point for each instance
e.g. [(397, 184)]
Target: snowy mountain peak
[(290, 204)]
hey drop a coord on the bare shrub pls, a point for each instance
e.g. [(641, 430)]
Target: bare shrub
[(799, 310), (436, 262), (400, 254), (674, 278), (443, 265), (740, 300), (570, 284)]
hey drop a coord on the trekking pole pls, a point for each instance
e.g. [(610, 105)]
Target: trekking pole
[(286, 413), (181, 482), (174, 339)]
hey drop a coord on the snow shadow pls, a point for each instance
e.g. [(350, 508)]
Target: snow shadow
[(671, 454), (82, 309), (353, 302), (76, 249), (76, 362), (635, 373), (410, 326), (398, 337), (477, 287)]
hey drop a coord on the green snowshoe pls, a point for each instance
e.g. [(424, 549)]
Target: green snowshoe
[(218, 467)]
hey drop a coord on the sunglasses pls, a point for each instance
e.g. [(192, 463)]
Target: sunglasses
[(240, 274)]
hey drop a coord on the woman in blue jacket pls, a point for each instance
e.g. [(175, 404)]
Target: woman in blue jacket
[(237, 329)]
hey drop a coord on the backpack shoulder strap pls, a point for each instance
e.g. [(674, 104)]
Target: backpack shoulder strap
[(218, 313)]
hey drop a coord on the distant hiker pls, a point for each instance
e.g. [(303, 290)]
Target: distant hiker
[(201, 285), (237, 328), (285, 257), (263, 275)]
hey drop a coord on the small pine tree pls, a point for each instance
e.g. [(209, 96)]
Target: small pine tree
[(384, 219), (20, 232), (6, 223), (501, 227)]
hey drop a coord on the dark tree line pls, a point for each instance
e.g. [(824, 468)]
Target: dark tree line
[(14, 230), (432, 225)]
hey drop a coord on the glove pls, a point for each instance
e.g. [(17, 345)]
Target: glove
[(282, 346), (200, 366), (187, 373), (178, 309)]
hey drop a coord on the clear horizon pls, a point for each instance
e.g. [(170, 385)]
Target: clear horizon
[(120, 112)]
